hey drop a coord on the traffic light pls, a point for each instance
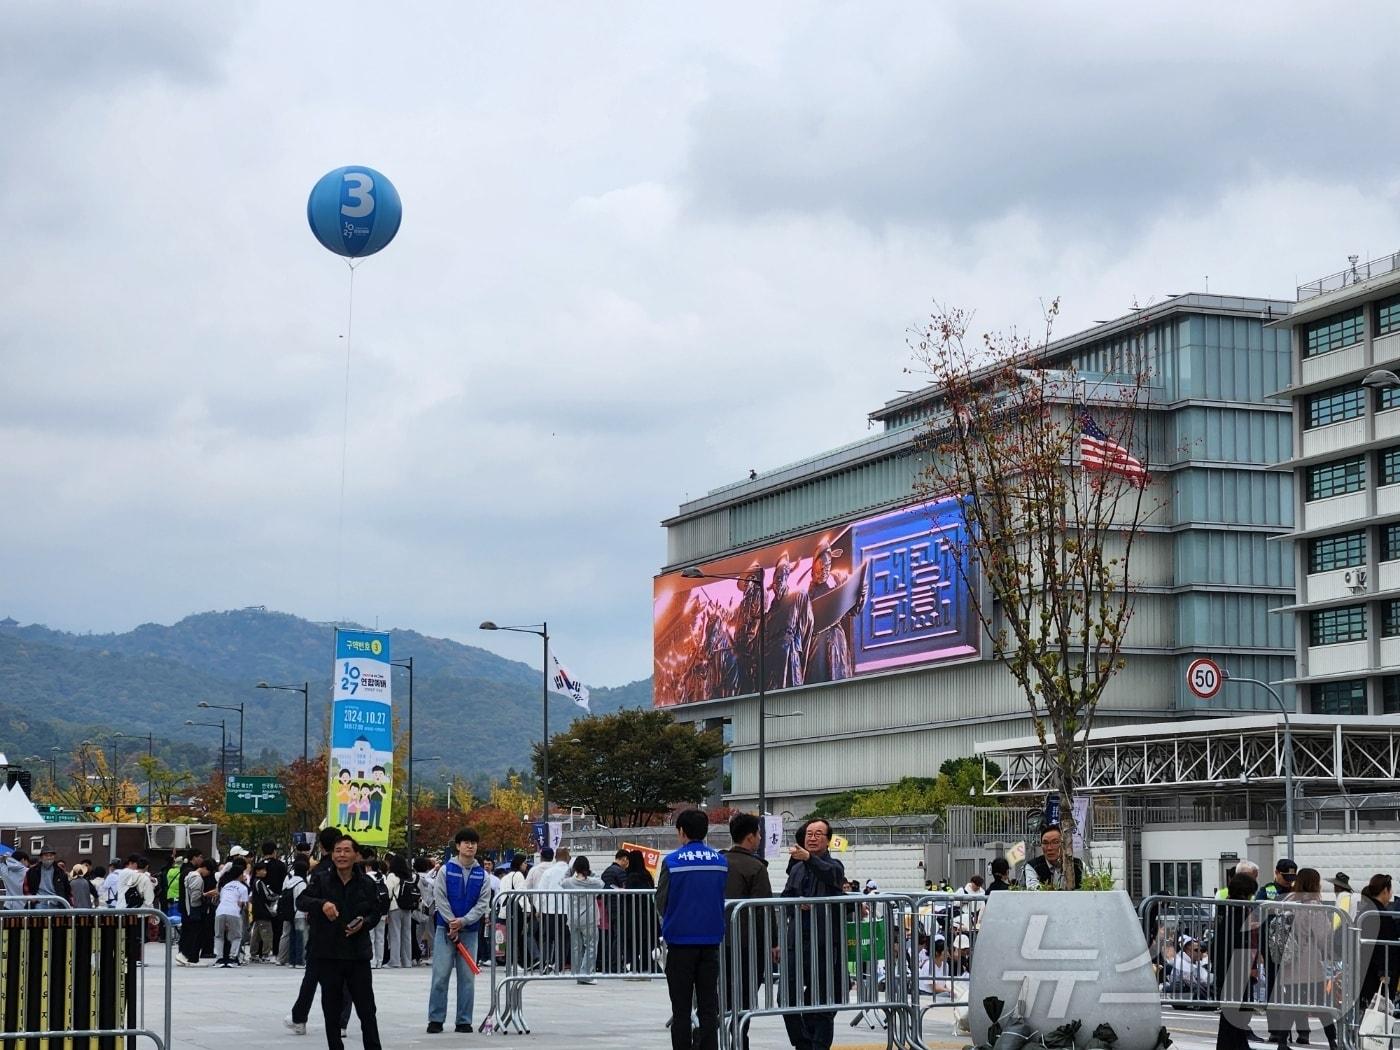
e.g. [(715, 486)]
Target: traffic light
[(53, 809), (139, 810), (92, 809)]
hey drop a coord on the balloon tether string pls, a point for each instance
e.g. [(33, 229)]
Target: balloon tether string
[(344, 448)]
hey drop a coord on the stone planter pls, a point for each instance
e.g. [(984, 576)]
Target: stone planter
[(1066, 956)]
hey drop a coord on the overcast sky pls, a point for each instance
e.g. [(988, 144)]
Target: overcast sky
[(644, 248)]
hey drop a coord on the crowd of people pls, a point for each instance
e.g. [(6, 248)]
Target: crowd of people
[(1282, 962)]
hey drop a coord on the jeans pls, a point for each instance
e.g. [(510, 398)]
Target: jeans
[(446, 959), (229, 930), (400, 938), (376, 942), (583, 950), (338, 976), (692, 974)]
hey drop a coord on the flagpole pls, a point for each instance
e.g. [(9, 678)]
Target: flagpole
[(544, 746)]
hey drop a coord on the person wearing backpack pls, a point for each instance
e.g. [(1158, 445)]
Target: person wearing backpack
[(376, 869), (292, 949), (405, 898), (265, 900)]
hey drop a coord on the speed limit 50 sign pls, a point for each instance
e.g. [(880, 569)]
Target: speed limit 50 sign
[(1204, 678)]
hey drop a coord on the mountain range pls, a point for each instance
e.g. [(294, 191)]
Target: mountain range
[(477, 711)]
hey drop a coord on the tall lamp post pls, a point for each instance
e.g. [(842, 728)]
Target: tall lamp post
[(150, 755), (54, 752), (1287, 751), (305, 690), (407, 665), (225, 707), (223, 744), (543, 631), (694, 573)]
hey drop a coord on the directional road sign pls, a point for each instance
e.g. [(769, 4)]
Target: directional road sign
[(257, 795)]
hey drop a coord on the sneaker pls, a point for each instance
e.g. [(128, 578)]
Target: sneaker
[(463, 1027), (298, 1027), (180, 960), (434, 1027)]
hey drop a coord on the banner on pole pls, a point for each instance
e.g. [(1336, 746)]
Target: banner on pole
[(362, 742), (772, 835)]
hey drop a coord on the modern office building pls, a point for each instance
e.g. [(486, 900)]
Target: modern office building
[(1345, 339), (909, 682)]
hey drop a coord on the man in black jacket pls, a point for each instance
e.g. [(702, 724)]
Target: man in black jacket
[(342, 906), (301, 1009), (817, 965), (48, 878), (276, 876), (747, 878)]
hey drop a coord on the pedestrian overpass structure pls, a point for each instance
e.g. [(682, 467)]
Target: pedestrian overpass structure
[(1333, 752)]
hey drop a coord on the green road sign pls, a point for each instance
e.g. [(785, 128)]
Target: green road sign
[(255, 795), (60, 817)]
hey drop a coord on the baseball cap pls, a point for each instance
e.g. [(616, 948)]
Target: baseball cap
[(1287, 866)]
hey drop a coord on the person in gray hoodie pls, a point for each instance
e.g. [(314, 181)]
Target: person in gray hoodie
[(13, 868), (582, 904)]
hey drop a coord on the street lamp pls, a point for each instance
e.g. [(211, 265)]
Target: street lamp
[(408, 830), (543, 631), (150, 755), (225, 707), (305, 690), (223, 744), (694, 573), (1287, 745), (54, 752)]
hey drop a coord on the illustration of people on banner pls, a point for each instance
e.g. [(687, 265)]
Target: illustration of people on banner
[(361, 765)]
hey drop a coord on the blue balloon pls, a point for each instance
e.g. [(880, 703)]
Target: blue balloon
[(354, 211)]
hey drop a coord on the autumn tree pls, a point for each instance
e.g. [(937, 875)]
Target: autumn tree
[(1054, 500), (628, 767)]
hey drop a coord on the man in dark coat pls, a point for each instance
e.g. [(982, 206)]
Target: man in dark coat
[(342, 906), (817, 974), (748, 879), (47, 877)]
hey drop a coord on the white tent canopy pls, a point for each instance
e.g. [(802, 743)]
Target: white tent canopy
[(15, 807)]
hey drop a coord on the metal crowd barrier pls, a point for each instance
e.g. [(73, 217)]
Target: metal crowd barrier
[(807, 959), (1291, 962), (568, 935), (1367, 922), (75, 974)]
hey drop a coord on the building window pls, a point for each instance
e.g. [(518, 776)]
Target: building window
[(1339, 698), (1388, 315), (1174, 878), (1387, 397), (1338, 478), (1390, 619), (1330, 626), (1390, 542), (1337, 552), (1390, 695), (36, 845), (1390, 466), (1333, 333), (1333, 406), (84, 844)]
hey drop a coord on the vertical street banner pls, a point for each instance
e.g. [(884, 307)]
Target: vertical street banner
[(362, 744)]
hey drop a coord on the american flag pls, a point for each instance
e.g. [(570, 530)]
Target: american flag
[(1098, 451)]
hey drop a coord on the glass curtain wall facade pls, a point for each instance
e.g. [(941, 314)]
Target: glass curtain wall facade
[(1211, 571)]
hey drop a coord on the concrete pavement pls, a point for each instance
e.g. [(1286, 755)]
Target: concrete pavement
[(217, 1009)]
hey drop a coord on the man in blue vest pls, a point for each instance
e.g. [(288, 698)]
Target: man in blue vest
[(461, 898), (690, 901)]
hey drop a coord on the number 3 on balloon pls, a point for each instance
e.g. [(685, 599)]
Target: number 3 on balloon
[(359, 193)]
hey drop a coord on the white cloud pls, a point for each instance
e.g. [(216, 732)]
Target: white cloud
[(642, 252)]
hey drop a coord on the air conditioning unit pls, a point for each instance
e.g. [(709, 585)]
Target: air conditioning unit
[(1355, 579), (168, 836)]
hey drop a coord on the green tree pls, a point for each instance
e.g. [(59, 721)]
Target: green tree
[(629, 767)]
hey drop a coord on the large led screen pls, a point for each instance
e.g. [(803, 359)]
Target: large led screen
[(873, 595)]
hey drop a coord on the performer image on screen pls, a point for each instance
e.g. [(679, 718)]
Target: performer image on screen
[(746, 623), (829, 659), (789, 630)]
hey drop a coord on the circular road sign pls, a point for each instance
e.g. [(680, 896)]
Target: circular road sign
[(1204, 678)]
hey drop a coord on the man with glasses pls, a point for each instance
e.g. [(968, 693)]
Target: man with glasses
[(816, 967), (1285, 871), (1048, 868)]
